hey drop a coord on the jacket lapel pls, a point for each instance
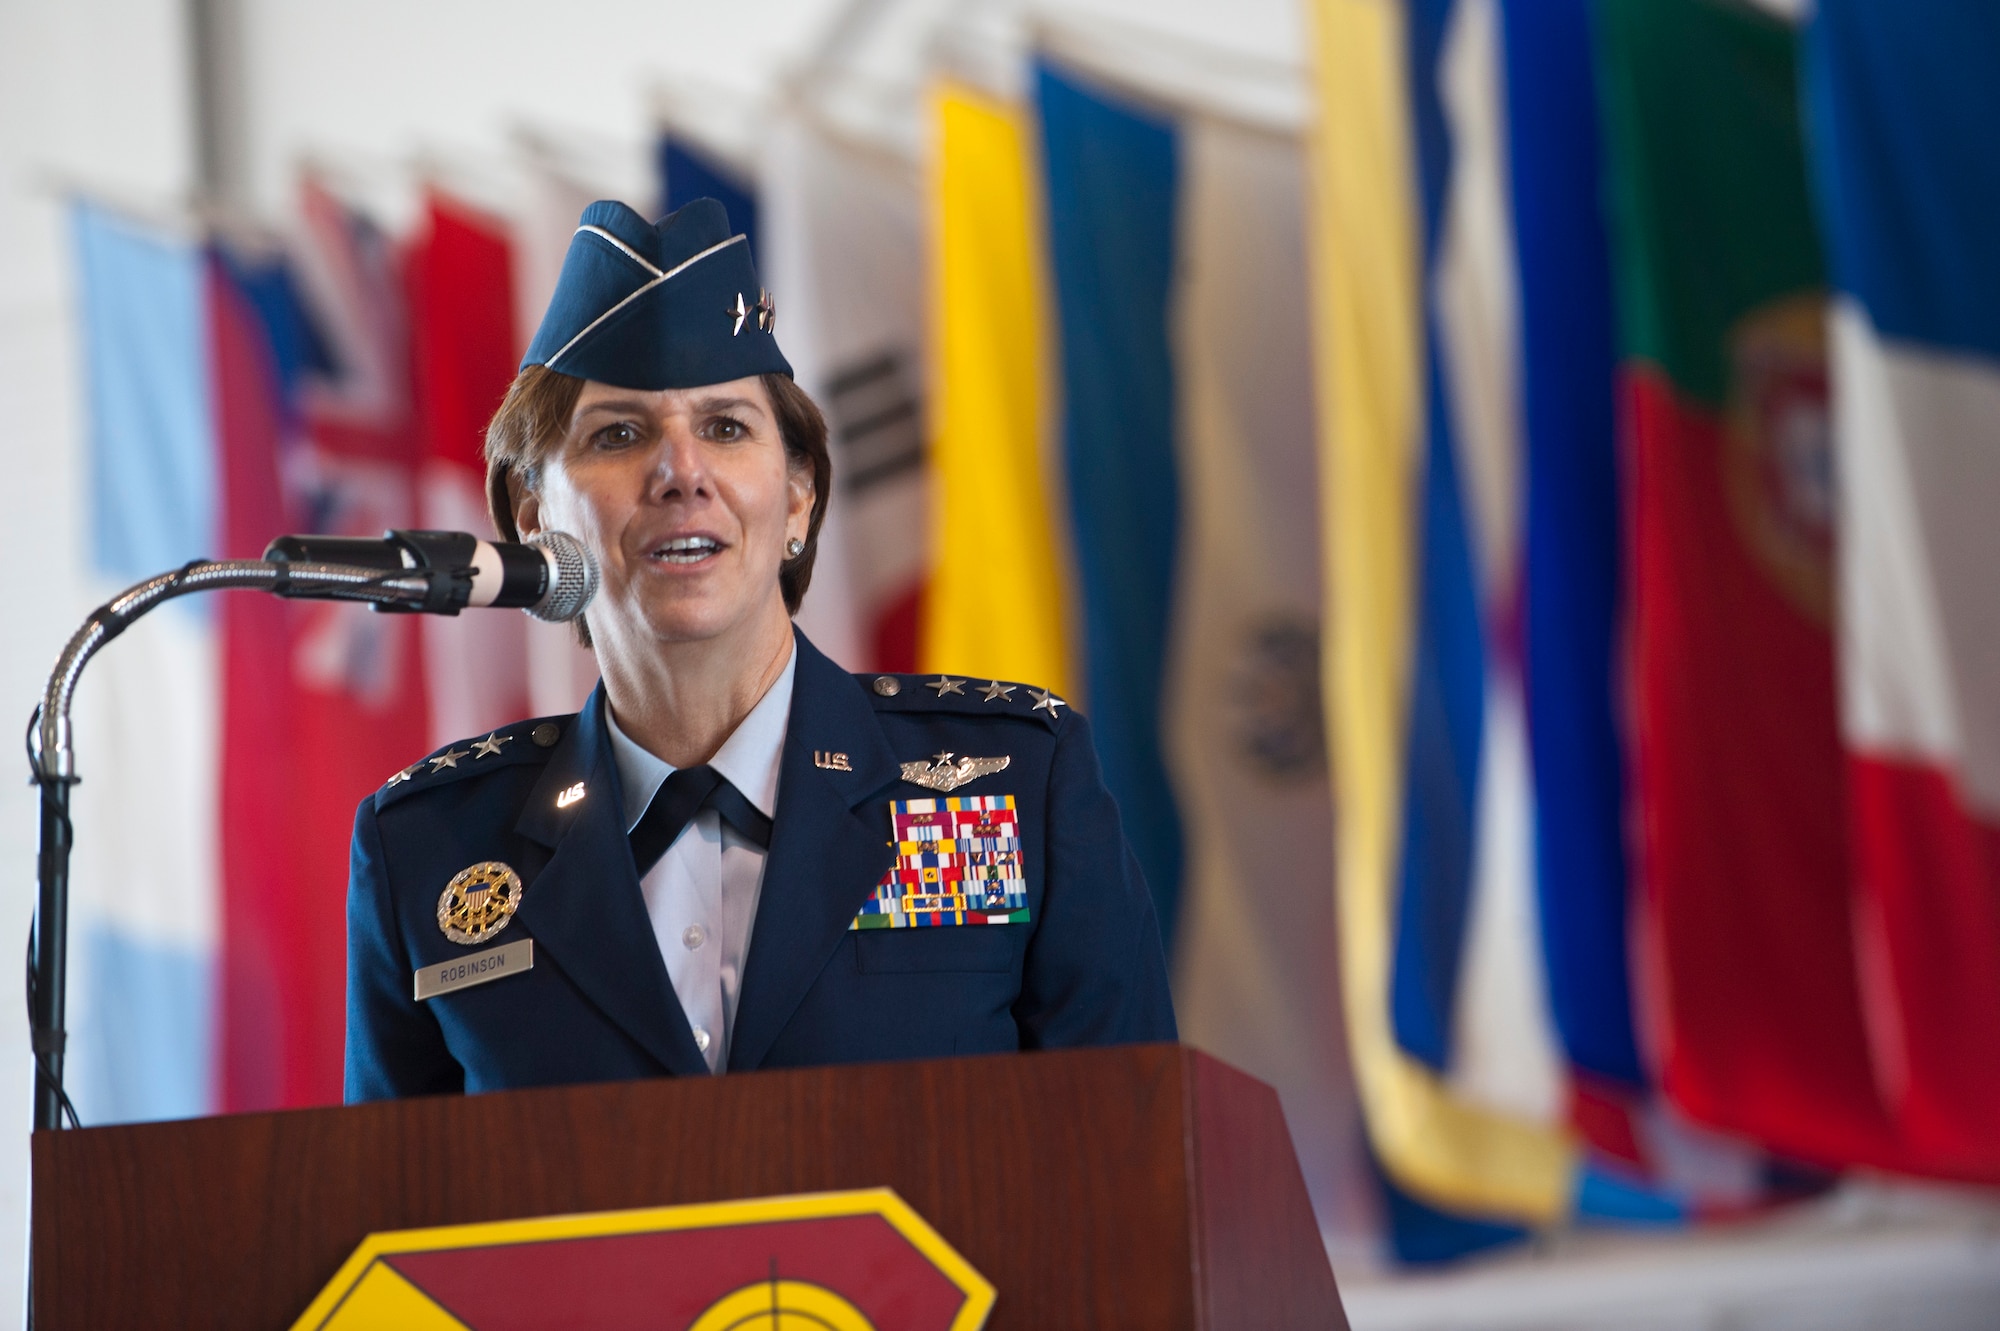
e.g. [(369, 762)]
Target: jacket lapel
[(825, 856), (585, 907)]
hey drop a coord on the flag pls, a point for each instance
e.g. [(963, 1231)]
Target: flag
[(994, 604), (145, 919), (1511, 970), (264, 348), (1429, 804), (194, 357), (1567, 498), (843, 246), (465, 346), (1908, 191), (1467, 987), (1112, 176), (1172, 238), (357, 701), (689, 172), (1644, 1160), (1257, 976), (1742, 835), (561, 672)]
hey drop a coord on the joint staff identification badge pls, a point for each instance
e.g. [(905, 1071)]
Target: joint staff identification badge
[(958, 861), (479, 902)]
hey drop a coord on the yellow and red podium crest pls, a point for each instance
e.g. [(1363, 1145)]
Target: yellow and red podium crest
[(842, 1261)]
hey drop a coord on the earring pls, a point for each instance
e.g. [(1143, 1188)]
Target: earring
[(794, 548)]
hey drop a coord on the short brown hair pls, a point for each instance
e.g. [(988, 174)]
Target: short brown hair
[(535, 415)]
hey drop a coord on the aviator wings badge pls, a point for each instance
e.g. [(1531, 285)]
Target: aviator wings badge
[(947, 771)]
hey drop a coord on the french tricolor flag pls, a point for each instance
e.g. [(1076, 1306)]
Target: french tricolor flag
[(1901, 108)]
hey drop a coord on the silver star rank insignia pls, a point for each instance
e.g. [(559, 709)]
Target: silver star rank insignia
[(449, 758), (404, 775), (1045, 701), (946, 684), (490, 746), (997, 691), (944, 774), (767, 313), (740, 311)]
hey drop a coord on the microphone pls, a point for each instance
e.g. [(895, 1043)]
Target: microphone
[(551, 575)]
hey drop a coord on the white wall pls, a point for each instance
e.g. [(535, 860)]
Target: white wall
[(90, 91)]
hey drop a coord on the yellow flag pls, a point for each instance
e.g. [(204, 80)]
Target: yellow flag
[(1369, 353), (994, 603)]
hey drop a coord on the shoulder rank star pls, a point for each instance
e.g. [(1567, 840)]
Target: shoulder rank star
[(449, 758), (944, 774), (490, 746), (1045, 701), (405, 774), (946, 684)]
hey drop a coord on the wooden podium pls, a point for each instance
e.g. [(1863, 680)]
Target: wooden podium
[(1147, 1186)]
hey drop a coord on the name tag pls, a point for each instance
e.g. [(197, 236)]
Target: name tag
[(463, 972)]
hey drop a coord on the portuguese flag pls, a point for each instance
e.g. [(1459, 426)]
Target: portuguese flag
[(1752, 1001)]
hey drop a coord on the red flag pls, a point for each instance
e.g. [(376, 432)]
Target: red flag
[(1917, 367), (464, 343), (259, 796), (350, 681), (1753, 998)]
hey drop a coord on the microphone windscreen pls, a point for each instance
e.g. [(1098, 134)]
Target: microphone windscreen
[(574, 577)]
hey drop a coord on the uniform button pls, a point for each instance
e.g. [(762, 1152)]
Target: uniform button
[(888, 685), (701, 1039), (545, 735), (693, 936)]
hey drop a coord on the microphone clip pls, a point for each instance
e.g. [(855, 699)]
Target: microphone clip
[(444, 559)]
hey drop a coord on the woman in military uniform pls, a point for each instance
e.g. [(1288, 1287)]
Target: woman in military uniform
[(737, 855)]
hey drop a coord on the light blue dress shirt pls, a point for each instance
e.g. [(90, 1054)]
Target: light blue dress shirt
[(702, 895)]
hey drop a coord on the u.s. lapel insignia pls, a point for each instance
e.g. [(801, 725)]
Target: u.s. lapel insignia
[(479, 902), (831, 762), (944, 774)]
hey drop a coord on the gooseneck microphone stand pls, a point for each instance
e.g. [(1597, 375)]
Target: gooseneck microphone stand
[(551, 576), (54, 762)]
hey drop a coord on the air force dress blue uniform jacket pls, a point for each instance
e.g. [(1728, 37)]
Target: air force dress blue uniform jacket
[(1084, 968)]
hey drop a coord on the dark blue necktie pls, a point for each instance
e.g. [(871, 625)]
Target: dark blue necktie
[(680, 797)]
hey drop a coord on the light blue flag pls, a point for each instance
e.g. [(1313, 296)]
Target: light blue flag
[(144, 878), (152, 455)]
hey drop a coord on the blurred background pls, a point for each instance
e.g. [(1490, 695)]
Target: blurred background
[(1510, 481)]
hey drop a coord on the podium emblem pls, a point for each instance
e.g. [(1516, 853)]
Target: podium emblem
[(479, 901), (842, 1261)]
